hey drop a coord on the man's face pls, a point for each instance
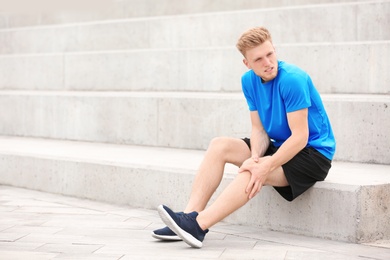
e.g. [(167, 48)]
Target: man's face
[(262, 60)]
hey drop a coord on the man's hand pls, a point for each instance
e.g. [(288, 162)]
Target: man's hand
[(259, 169)]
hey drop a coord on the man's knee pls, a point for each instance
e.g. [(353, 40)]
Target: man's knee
[(220, 143), (229, 149)]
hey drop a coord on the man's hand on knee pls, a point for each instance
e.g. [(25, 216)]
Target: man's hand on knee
[(259, 172)]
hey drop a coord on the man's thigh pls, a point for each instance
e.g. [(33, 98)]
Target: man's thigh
[(276, 178), (236, 150)]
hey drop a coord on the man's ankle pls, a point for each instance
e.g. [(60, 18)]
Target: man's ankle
[(201, 223)]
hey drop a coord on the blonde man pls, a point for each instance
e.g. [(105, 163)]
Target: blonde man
[(290, 148)]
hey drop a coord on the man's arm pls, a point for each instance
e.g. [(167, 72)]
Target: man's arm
[(298, 124), (299, 127), (259, 138)]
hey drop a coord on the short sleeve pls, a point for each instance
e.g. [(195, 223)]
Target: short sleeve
[(247, 89), (295, 92)]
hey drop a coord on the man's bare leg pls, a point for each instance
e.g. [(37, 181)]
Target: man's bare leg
[(221, 150), (234, 197)]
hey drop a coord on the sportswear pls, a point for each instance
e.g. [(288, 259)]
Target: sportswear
[(291, 90)]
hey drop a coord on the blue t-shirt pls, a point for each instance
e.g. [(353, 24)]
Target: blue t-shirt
[(291, 90)]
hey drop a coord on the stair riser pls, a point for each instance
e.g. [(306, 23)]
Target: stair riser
[(107, 10), (334, 68), (361, 129), (321, 24), (183, 122), (135, 186)]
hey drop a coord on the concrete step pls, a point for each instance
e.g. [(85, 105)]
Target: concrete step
[(182, 119), (71, 12), (334, 67), (147, 176), (361, 21)]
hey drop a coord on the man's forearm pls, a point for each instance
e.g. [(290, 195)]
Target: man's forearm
[(259, 143), (296, 142), (291, 147)]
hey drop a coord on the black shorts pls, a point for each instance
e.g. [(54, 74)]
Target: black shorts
[(302, 171)]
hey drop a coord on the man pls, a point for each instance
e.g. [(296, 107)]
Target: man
[(290, 148)]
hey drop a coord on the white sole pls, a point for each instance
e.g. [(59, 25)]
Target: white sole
[(166, 238), (187, 237)]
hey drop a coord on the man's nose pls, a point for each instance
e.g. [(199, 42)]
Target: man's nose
[(267, 62)]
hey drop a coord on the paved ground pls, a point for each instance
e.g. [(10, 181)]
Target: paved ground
[(37, 225)]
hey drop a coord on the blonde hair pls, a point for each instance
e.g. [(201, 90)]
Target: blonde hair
[(253, 38)]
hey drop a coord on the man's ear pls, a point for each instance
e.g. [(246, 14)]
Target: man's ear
[(246, 63)]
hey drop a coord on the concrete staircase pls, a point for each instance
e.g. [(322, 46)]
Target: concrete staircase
[(119, 104)]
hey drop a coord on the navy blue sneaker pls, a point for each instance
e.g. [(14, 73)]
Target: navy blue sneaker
[(165, 234), (184, 225)]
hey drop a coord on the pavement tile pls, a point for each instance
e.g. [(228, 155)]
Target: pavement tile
[(233, 254), (32, 229), (32, 203), (117, 237), (5, 226), (237, 243), (144, 213), (138, 223), (65, 248), (51, 238), (73, 256), (17, 218), (50, 226), (101, 223), (294, 255), (18, 246), (10, 237), (7, 208), (18, 255), (148, 257), (169, 250), (57, 210), (98, 232)]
